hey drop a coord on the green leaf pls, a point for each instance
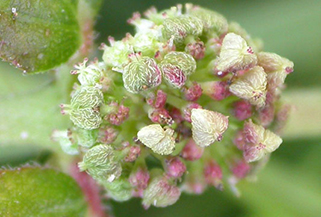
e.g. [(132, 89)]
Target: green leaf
[(39, 192), (38, 35)]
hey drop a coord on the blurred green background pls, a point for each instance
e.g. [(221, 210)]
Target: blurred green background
[(289, 186)]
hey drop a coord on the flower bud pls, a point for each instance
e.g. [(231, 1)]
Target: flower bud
[(235, 55), (175, 168), (147, 42), (159, 140), (180, 27), (100, 162), (191, 151), (176, 67), (160, 193), (66, 141), (196, 49), (119, 190), (187, 111), (160, 115), (242, 110), (239, 140), (194, 92), (266, 115), (217, 90), (133, 153), (277, 67), (87, 97), (251, 86), (86, 138), (116, 56), (207, 126), (89, 75), (213, 175), (141, 74), (142, 25), (261, 141), (213, 22), (240, 169), (86, 118), (139, 178), (107, 134)]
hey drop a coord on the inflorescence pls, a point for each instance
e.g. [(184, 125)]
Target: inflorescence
[(189, 101)]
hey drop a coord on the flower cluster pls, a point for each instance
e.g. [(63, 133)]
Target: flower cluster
[(189, 101)]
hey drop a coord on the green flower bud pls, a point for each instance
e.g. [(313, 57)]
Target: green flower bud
[(147, 42), (101, 163), (159, 140), (87, 97), (86, 138), (116, 56), (65, 140), (251, 86), (119, 190), (207, 126), (176, 67), (89, 75), (160, 193), (213, 22), (86, 118), (181, 27), (141, 74)]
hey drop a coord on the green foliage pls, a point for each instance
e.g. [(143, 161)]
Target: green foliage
[(38, 35), (39, 192)]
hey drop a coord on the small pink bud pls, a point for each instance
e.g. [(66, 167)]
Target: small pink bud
[(213, 174), (134, 152), (196, 49), (139, 178), (239, 140), (175, 168), (119, 116), (160, 99), (160, 115), (174, 75), (194, 92), (266, 115), (188, 111), (107, 135), (242, 110), (217, 90), (191, 151), (241, 169), (176, 114)]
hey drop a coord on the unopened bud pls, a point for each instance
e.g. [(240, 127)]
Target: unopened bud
[(187, 111), (235, 54), (217, 90), (86, 138), (207, 126), (139, 178), (176, 67), (87, 97), (240, 169), (191, 151), (107, 135), (86, 118), (160, 193), (159, 140), (196, 49), (261, 141), (251, 86), (194, 92), (175, 168), (141, 74), (100, 162), (213, 175), (242, 110), (213, 22), (89, 75), (119, 190), (180, 27)]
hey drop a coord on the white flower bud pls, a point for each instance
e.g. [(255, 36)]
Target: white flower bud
[(141, 74), (207, 126), (251, 86), (159, 140), (276, 67), (91, 74), (261, 141), (235, 55)]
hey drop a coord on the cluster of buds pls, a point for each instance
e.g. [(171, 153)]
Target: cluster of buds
[(189, 101)]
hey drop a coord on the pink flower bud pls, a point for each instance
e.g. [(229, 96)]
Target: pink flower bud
[(160, 99), (119, 116), (188, 111), (240, 169), (134, 152), (217, 90), (242, 110), (196, 49), (176, 114), (194, 92), (139, 178), (191, 151), (160, 115), (175, 168), (239, 140), (266, 115), (107, 135), (213, 174)]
